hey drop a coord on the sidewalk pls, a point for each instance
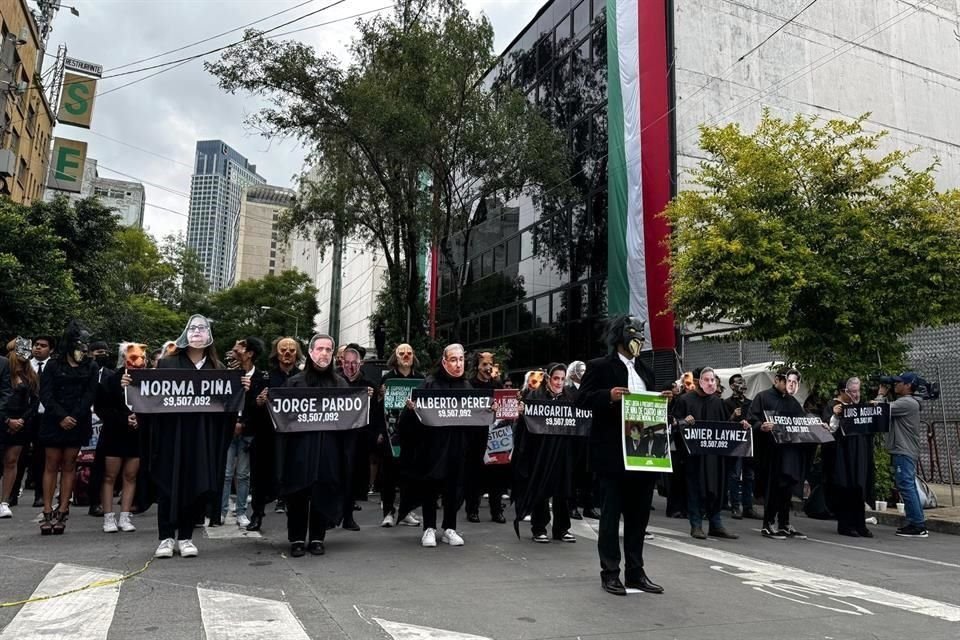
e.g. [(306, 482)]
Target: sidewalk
[(944, 519)]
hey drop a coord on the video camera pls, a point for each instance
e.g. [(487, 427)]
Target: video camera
[(926, 390)]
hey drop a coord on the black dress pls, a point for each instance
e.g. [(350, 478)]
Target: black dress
[(21, 405), (707, 472), (67, 391), (117, 438)]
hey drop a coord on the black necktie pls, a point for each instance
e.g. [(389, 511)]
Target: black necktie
[(39, 368)]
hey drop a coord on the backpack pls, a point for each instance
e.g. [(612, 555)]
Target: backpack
[(928, 499)]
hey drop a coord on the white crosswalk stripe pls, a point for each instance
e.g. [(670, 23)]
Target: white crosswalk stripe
[(84, 615), (403, 631), (227, 616)]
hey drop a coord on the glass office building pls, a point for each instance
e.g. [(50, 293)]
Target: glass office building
[(534, 277)]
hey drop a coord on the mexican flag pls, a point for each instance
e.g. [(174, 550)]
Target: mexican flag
[(639, 165)]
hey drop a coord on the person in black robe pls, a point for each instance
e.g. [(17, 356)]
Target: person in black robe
[(119, 442), (284, 358), (706, 474), (357, 442), (741, 473), (19, 397), (848, 467), (310, 464), (439, 454), (543, 467), (398, 472), (626, 493), (67, 390), (480, 477), (781, 467), (184, 454)]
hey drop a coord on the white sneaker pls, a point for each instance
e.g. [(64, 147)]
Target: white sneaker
[(243, 521), (110, 522), (187, 549), (452, 538), (165, 550), (5, 510), (410, 520), (429, 538), (126, 522), (388, 520)]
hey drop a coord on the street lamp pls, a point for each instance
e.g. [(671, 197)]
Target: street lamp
[(296, 319)]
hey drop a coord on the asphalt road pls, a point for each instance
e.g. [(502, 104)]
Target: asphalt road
[(379, 583)]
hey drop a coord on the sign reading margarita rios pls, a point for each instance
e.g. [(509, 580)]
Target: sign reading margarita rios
[(719, 439), (500, 436), (556, 419), (864, 419), (185, 391), (295, 409), (806, 429), (646, 437), (395, 395), (454, 407)]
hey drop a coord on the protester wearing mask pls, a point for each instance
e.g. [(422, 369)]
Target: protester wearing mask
[(100, 353), (480, 477), (67, 390), (398, 472), (583, 490), (357, 443), (17, 415), (740, 479)]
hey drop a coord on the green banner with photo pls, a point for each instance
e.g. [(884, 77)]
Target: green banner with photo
[(646, 434)]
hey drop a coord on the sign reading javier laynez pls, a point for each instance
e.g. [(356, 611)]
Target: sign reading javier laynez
[(185, 391), (296, 409), (719, 439), (454, 407)]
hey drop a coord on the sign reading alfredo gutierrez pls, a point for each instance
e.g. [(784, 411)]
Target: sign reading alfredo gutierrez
[(298, 409), (185, 391), (556, 419), (798, 429), (454, 407)]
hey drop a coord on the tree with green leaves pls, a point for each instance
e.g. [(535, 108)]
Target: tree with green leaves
[(406, 140), (807, 236)]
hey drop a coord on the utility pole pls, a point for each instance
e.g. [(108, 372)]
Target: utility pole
[(336, 283)]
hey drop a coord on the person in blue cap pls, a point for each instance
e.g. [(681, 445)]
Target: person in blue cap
[(903, 443)]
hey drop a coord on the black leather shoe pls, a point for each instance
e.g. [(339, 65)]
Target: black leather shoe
[(316, 548), (850, 533), (593, 514), (722, 533), (473, 517), (644, 584), (95, 510), (351, 524), (255, 523), (297, 550), (865, 533), (614, 586), (575, 514), (498, 517)]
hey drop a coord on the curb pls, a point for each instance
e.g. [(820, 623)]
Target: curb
[(892, 518)]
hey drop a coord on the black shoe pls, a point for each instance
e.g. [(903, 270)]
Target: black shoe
[(280, 507), (736, 513), (722, 533), (575, 514), (593, 514), (473, 517), (774, 534), (316, 548), (297, 550), (614, 586), (95, 510), (14, 501), (697, 532), (644, 584), (912, 531), (255, 523), (357, 507), (498, 517), (215, 521), (865, 533), (846, 531), (38, 502), (793, 534), (351, 524)]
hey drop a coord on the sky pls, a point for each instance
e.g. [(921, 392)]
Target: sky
[(148, 130)]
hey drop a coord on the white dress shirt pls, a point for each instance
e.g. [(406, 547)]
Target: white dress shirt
[(634, 381)]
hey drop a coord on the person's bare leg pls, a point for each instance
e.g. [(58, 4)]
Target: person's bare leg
[(68, 473), (52, 459), (111, 469), (131, 467), (10, 457)]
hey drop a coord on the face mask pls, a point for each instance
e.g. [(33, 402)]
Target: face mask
[(632, 337), (708, 385), (103, 360), (78, 355)]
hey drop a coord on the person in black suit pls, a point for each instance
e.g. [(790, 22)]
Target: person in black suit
[(626, 493)]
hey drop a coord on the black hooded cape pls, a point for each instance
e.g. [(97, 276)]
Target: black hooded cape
[(711, 470)]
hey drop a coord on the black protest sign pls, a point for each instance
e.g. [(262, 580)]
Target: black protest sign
[(556, 418), (185, 391), (454, 407), (298, 409), (719, 439), (806, 429), (864, 419)]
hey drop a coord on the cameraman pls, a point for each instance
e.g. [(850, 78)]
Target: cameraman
[(903, 443)]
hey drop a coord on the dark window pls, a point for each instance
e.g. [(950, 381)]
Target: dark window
[(496, 323), (513, 250), (499, 258), (581, 17), (484, 327), (527, 310), (510, 324)]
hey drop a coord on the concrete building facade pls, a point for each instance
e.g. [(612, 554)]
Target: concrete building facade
[(260, 251), (220, 175), (127, 199)]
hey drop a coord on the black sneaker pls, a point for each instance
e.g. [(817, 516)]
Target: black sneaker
[(769, 532), (913, 531), (793, 534)]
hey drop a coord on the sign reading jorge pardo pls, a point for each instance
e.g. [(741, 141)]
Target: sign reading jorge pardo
[(718, 439), (556, 419), (185, 391), (454, 407), (296, 409)]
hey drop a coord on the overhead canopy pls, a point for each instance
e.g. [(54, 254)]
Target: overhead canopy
[(759, 377)]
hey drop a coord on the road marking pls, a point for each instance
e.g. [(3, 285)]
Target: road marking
[(229, 616), (886, 553), (403, 631), (801, 586), (84, 615), (227, 530)]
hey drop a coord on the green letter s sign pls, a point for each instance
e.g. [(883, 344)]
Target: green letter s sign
[(79, 102)]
